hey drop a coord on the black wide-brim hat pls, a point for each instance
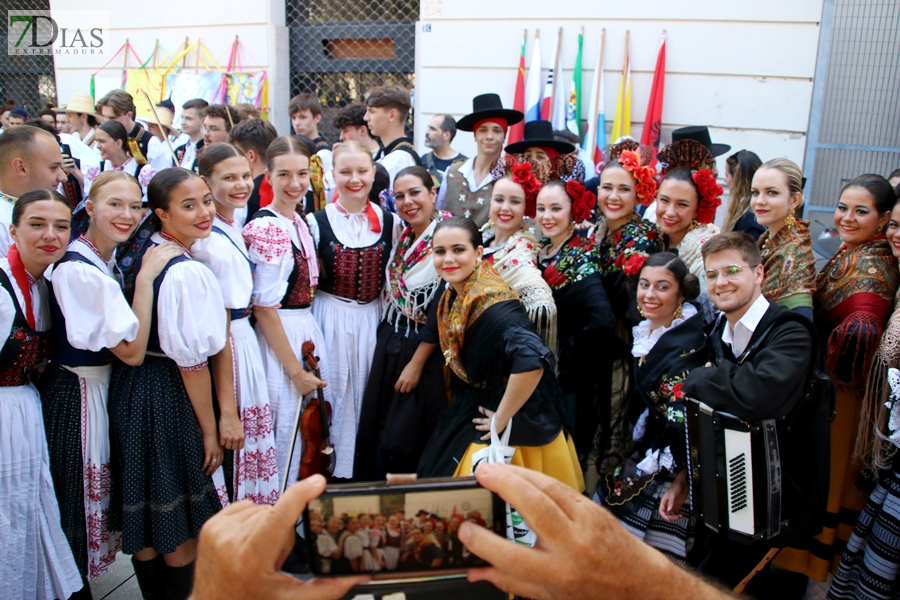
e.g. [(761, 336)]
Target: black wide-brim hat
[(488, 106), (539, 134), (699, 133)]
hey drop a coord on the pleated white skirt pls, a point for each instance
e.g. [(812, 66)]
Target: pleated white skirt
[(35, 559), (350, 329), (255, 465), (284, 397)]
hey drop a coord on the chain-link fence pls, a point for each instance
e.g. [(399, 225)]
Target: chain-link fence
[(341, 49), (26, 81)]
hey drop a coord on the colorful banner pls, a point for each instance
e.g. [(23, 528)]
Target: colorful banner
[(595, 134), (182, 87), (622, 121), (137, 82), (246, 88), (547, 99)]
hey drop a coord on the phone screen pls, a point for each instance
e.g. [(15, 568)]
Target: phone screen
[(397, 530)]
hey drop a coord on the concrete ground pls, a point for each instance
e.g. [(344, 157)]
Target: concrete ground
[(119, 582)]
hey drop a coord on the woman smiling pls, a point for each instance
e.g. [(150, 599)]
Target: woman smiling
[(405, 392), (502, 371), (89, 330), (112, 142)]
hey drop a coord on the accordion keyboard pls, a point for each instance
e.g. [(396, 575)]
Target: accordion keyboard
[(739, 479)]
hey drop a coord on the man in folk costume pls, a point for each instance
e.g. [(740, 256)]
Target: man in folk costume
[(161, 156), (466, 189), (191, 126), (82, 117), (119, 106), (30, 159), (386, 110)]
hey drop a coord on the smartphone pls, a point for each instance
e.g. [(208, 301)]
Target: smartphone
[(397, 531)]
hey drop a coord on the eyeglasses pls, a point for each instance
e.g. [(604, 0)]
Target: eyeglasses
[(727, 274), (205, 129)]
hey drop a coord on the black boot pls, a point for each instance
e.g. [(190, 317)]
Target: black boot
[(179, 581), (150, 577)]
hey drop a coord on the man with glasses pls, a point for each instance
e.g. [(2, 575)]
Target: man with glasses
[(762, 358)]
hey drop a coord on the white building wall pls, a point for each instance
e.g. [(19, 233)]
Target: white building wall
[(259, 25), (744, 69)]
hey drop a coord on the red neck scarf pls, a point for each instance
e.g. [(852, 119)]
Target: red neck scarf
[(23, 280), (371, 215)]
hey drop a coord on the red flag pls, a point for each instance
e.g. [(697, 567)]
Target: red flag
[(653, 121), (517, 131)]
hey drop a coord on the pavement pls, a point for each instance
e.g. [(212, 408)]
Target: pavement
[(119, 583)]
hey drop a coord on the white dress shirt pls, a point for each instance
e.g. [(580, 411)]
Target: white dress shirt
[(738, 337)]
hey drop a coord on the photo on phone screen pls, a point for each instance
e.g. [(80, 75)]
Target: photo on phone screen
[(383, 530)]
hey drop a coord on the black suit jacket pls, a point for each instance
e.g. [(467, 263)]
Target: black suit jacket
[(769, 383)]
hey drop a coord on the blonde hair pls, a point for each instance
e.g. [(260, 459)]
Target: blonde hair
[(792, 172), (350, 148), (107, 177)]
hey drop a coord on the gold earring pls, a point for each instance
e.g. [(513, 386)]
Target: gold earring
[(641, 310), (694, 225), (571, 229), (490, 223), (789, 220), (679, 313)]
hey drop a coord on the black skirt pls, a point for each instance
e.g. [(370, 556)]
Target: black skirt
[(61, 405), (160, 497), (394, 427)]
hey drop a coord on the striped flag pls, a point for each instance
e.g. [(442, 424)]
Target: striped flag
[(595, 135), (573, 112), (653, 120), (534, 87), (622, 121), (517, 131), (547, 98)]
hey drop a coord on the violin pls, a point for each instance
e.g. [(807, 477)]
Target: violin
[(318, 451)]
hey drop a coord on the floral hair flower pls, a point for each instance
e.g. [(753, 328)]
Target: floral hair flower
[(645, 184), (710, 195), (583, 201), (634, 264), (522, 174)]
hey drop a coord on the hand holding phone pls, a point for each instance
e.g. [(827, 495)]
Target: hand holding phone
[(242, 548)]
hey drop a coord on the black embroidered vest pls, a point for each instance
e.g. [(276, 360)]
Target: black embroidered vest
[(24, 348)]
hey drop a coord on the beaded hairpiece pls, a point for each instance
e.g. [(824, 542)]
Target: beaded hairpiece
[(695, 156)]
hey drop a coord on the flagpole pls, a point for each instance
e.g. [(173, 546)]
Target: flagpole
[(556, 74), (595, 105)]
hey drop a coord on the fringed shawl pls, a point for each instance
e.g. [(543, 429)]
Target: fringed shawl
[(873, 446), (788, 262), (854, 297), (412, 280), (516, 262)]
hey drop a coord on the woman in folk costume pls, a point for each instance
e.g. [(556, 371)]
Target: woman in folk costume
[(502, 371), (354, 239), (686, 202), (35, 558), (776, 193), (512, 249), (285, 275), (466, 190), (405, 393), (870, 563), (585, 321), (647, 492), (89, 330), (112, 141), (740, 168), (623, 240), (549, 158), (247, 427), (853, 300), (167, 455)]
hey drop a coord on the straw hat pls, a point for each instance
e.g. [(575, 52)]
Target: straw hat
[(164, 115), (79, 103)]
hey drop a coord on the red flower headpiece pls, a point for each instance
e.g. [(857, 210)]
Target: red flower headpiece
[(583, 201), (634, 264), (710, 195), (522, 174), (645, 185)]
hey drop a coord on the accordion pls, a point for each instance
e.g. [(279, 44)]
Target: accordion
[(734, 473)]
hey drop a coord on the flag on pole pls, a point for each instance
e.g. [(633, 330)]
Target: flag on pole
[(517, 131), (534, 87), (560, 96), (622, 121), (547, 98), (573, 112), (653, 120), (595, 134)]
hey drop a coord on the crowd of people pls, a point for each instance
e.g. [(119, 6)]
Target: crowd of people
[(369, 543), (159, 286)]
